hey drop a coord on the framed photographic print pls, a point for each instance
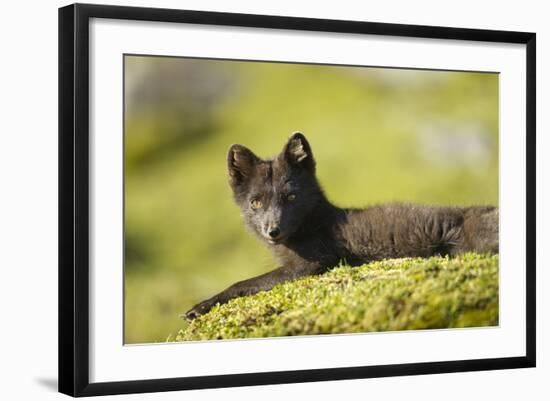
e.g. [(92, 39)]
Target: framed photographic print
[(251, 199)]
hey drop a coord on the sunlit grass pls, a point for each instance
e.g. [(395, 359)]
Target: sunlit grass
[(399, 294)]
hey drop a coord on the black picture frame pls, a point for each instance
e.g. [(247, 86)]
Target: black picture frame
[(74, 198)]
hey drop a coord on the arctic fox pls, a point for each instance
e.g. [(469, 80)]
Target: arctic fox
[(284, 204)]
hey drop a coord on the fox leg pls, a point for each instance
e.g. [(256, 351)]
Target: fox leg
[(251, 286), (480, 231)]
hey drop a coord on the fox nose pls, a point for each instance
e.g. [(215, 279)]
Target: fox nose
[(274, 232)]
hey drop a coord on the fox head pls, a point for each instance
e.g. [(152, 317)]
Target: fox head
[(278, 194)]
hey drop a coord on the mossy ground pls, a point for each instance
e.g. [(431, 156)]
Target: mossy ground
[(398, 294)]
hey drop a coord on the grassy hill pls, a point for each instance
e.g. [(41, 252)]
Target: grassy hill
[(398, 294)]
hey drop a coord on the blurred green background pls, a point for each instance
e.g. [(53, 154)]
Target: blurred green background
[(377, 135)]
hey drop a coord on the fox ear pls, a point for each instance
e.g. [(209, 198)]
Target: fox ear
[(241, 163), (297, 152)]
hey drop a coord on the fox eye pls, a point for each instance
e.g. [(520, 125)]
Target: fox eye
[(256, 204), (291, 197)]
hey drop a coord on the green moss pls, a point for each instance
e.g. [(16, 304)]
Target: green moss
[(398, 294)]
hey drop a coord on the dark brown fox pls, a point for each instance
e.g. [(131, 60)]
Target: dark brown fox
[(283, 203)]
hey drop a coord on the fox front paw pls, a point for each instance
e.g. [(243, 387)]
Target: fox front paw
[(200, 309)]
